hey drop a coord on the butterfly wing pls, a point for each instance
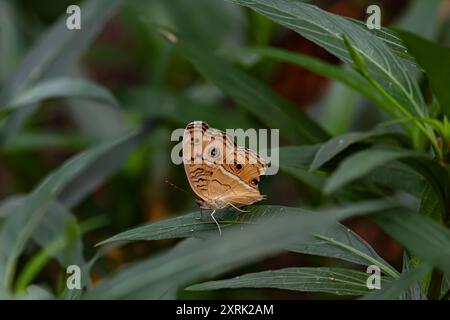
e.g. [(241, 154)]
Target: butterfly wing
[(198, 172), (237, 183), (219, 172)]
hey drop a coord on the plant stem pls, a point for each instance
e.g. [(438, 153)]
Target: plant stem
[(360, 66)]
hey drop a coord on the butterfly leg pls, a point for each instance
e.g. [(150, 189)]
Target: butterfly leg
[(201, 215), (218, 225), (240, 210), (200, 204)]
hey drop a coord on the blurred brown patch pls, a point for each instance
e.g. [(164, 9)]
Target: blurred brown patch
[(7, 179), (296, 84), (113, 60), (154, 205)]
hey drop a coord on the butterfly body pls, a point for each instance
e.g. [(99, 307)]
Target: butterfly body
[(220, 173)]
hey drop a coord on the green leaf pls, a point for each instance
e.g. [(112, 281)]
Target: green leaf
[(36, 293), (420, 18), (188, 226), (36, 264), (92, 175), (86, 268), (420, 235), (415, 291), (58, 47), (59, 223), (340, 109), (435, 60), (9, 205), (398, 176), (350, 78), (437, 178), (396, 287), (60, 88), (327, 30), (52, 54), (59, 236), (342, 243), (57, 232), (395, 175), (102, 167), (431, 204), (255, 96), (337, 242), (18, 228), (391, 39), (296, 160), (399, 110), (336, 281), (336, 145), (181, 109), (31, 140), (229, 23), (360, 164), (10, 38), (153, 277)]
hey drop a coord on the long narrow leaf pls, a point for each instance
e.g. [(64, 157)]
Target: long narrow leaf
[(256, 97), (350, 78), (435, 60), (61, 88), (336, 281), (363, 162), (342, 243), (18, 228), (327, 30), (189, 226), (336, 145), (296, 160), (420, 235), (337, 242), (395, 288), (415, 291), (153, 277), (52, 54)]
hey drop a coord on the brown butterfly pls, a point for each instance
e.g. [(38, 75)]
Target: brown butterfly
[(220, 173)]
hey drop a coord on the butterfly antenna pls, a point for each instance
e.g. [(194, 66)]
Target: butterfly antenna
[(174, 186), (218, 225)]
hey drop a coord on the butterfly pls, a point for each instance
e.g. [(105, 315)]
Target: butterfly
[(220, 173)]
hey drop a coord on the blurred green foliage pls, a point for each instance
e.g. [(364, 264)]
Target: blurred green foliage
[(85, 123)]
